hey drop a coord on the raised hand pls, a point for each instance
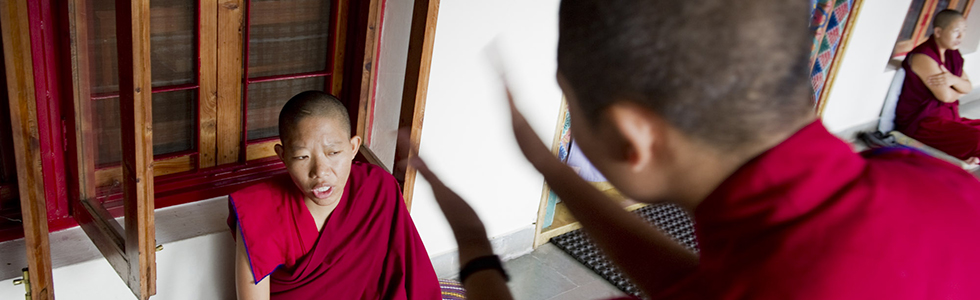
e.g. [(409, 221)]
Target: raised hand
[(465, 223), (531, 146), (471, 236)]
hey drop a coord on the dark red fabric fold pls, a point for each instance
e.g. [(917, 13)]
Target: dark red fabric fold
[(368, 247), (810, 219)]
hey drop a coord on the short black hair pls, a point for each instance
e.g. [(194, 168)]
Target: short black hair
[(311, 103), (946, 17), (725, 72)]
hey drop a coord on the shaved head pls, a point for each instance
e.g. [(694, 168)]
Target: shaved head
[(724, 72), (312, 104), (946, 17)]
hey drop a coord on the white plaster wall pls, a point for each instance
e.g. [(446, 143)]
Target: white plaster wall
[(865, 74), (197, 261), (863, 78), (466, 136), (196, 268), (391, 78)]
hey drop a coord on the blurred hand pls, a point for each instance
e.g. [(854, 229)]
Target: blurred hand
[(531, 146), (464, 221), (471, 236)]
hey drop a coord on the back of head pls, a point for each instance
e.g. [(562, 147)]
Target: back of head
[(946, 17), (308, 104), (724, 72)]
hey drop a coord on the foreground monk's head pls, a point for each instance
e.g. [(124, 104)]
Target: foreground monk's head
[(949, 27), (657, 86), (317, 147)]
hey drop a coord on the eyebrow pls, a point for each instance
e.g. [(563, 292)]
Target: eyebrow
[(330, 144)]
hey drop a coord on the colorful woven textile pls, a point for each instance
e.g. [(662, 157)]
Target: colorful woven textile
[(830, 18), (452, 290)]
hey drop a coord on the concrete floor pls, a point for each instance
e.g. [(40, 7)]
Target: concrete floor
[(550, 274)]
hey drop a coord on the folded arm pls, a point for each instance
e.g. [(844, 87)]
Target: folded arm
[(942, 83), (961, 84)]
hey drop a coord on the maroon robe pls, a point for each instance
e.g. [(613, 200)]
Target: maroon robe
[(810, 219), (368, 247), (922, 116)]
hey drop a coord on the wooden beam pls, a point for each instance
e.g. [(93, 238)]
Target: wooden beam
[(84, 136), (421, 41), (23, 120), (340, 47), (371, 158), (96, 222), (229, 101), (136, 105), (369, 68), (208, 80)]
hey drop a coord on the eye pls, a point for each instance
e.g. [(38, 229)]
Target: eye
[(335, 153), (301, 157)]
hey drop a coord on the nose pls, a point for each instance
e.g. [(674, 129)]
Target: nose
[(321, 167)]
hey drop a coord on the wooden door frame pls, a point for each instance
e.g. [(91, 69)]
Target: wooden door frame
[(18, 59), (425, 15)]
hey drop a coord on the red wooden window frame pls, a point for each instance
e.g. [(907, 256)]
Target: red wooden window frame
[(327, 74), (50, 41)]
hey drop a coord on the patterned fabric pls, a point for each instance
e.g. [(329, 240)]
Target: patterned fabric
[(452, 290), (829, 20)]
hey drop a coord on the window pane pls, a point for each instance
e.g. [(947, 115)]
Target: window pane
[(266, 99), (174, 121), (908, 28), (288, 37), (172, 44), (103, 58), (172, 41), (940, 6), (961, 6), (108, 138)]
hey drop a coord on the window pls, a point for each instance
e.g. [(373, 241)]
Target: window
[(918, 22), (291, 48), (220, 71), (217, 91), (219, 74), (175, 80)]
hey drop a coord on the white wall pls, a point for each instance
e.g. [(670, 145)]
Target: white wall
[(863, 78), (391, 78), (858, 92), (196, 262), (197, 268), (466, 136)]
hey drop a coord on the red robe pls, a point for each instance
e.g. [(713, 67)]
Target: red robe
[(810, 219), (922, 116), (368, 247)]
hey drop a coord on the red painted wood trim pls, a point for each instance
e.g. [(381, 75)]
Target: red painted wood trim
[(44, 45)]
